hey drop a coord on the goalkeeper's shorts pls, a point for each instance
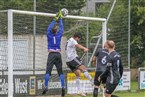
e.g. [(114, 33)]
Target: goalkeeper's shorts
[(54, 58)]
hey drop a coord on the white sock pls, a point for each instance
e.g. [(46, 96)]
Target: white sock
[(78, 83), (87, 75), (103, 92)]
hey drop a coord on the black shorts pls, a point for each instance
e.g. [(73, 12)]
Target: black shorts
[(54, 58), (103, 80), (74, 64), (110, 88)]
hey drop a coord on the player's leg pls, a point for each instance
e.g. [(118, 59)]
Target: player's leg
[(50, 62), (109, 95), (86, 73), (110, 89), (58, 64), (104, 85), (96, 84), (73, 65), (78, 83), (84, 69), (95, 92), (103, 90), (114, 96)]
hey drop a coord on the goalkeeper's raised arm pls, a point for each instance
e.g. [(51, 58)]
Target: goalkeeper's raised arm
[(53, 27), (61, 29)]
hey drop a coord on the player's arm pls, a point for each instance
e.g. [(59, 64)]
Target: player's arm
[(61, 29), (94, 60), (82, 47), (51, 26), (58, 15), (119, 64), (121, 68), (95, 57)]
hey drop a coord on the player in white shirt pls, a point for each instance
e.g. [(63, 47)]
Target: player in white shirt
[(73, 61)]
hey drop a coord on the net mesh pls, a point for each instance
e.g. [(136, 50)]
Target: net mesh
[(30, 56), (3, 54), (117, 25), (119, 31), (30, 53)]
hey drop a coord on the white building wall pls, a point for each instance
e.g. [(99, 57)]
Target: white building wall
[(23, 51)]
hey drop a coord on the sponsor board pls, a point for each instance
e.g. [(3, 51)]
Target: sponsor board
[(142, 80), (86, 86), (29, 85), (85, 83), (32, 85), (124, 83)]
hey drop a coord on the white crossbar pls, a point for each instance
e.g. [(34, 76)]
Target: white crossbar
[(53, 15)]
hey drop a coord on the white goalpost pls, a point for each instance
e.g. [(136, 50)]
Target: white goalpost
[(11, 39), (10, 53)]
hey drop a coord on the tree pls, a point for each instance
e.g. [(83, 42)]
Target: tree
[(137, 30), (24, 23)]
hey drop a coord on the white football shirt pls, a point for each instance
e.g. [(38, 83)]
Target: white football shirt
[(71, 52)]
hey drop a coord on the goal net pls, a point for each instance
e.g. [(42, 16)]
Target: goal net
[(23, 51)]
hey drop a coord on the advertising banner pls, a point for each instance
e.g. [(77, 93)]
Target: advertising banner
[(124, 83), (142, 80), (27, 85), (86, 86)]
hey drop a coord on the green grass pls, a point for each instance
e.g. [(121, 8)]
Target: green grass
[(120, 94), (134, 92), (131, 94), (134, 85)]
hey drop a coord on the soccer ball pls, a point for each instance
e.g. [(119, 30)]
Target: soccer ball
[(64, 12)]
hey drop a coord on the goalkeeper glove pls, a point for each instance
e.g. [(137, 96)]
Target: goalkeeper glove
[(58, 15)]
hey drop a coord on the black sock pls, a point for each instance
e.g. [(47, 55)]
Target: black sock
[(62, 92), (95, 92)]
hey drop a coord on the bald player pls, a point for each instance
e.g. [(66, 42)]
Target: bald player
[(113, 71)]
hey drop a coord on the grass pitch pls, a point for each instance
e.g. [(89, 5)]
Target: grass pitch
[(134, 92)]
